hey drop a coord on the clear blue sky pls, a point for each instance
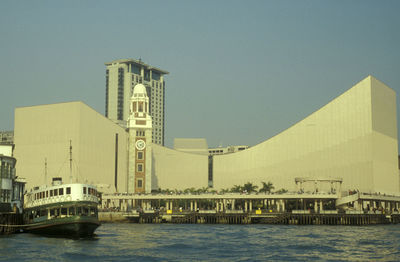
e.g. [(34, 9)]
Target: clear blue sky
[(240, 71)]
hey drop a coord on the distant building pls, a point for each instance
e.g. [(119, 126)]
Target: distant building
[(226, 150), (11, 187), (191, 145), (121, 76), (6, 137)]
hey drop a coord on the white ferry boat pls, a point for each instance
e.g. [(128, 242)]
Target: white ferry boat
[(62, 210)]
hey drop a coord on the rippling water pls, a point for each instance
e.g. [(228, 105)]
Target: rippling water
[(191, 242)]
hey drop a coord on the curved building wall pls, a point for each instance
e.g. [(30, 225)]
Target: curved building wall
[(44, 131), (354, 137), (172, 169)]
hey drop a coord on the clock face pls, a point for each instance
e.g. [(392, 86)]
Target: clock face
[(140, 144)]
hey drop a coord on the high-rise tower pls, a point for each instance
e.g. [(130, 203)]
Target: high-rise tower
[(121, 76), (139, 126)]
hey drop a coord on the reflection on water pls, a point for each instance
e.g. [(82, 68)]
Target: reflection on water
[(167, 242)]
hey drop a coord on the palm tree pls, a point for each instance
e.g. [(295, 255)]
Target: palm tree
[(225, 190), (266, 187), (202, 190), (189, 190), (249, 187), (281, 191), (236, 189)]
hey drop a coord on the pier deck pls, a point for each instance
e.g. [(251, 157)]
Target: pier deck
[(9, 223), (290, 208), (283, 218)]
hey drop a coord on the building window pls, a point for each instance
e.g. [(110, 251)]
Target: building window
[(140, 155), (139, 167), (120, 93), (61, 191), (84, 190), (135, 69), (68, 191), (139, 183)]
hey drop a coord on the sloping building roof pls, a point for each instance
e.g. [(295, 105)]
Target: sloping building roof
[(191, 145)]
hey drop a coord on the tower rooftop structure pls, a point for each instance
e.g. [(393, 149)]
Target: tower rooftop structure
[(138, 62), (139, 89), (122, 75)]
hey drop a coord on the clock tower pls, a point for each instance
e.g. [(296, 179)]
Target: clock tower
[(140, 139)]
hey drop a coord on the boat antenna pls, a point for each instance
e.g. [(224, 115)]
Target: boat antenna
[(70, 161), (45, 170)]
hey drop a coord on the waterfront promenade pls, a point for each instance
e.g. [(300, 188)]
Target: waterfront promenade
[(289, 208)]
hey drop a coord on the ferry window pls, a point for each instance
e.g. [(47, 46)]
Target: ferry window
[(51, 193), (68, 190), (47, 193), (64, 211), (84, 190), (79, 211), (85, 211), (54, 212), (61, 191), (43, 212), (55, 192), (71, 211)]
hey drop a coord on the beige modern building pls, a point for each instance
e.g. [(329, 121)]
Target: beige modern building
[(173, 169), (121, 77), (191, 145), (42, 138), (352, 139)]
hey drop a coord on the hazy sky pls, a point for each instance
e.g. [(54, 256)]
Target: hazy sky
[(240, 71)]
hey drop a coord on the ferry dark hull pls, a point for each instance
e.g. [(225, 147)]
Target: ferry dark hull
[(74, 228)]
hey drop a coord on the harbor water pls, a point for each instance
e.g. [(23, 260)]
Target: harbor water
[(193, 242)]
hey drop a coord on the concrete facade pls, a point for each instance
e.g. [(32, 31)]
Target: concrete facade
[(44, 132), (191, 145), (174, 169), (354, 137)]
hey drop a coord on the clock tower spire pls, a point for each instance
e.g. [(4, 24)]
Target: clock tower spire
[(140, 139)]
